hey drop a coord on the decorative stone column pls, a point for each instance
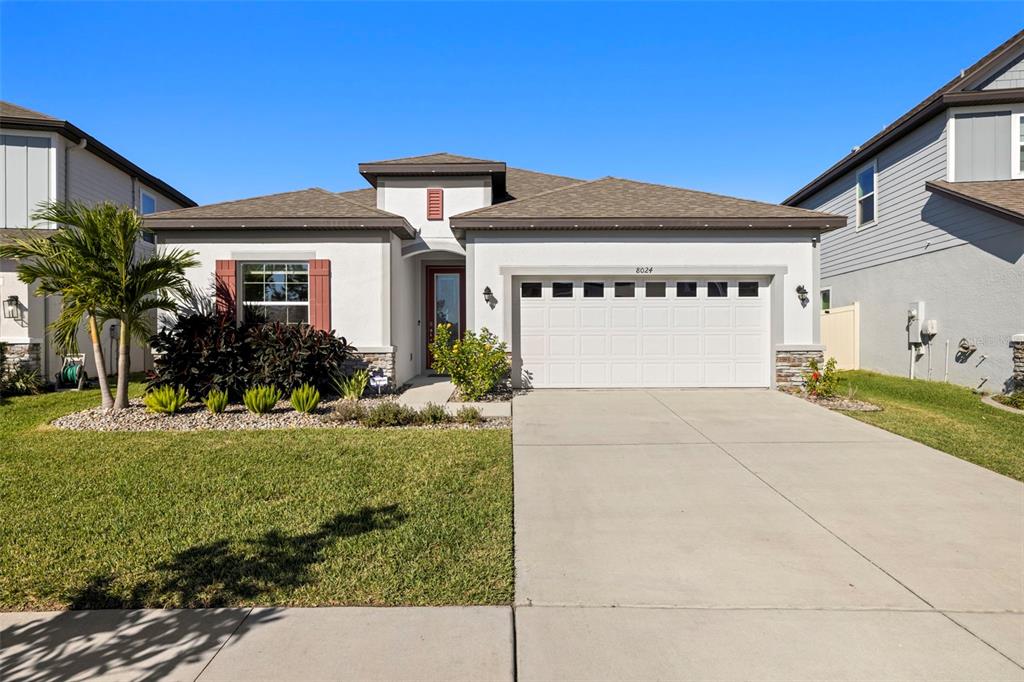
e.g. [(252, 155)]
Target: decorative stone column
[(792, 361), (1017, 344), (373, 361)]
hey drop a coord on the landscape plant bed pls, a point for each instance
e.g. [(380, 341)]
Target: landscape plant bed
[(303, 517), (195, 417), (843, 404)]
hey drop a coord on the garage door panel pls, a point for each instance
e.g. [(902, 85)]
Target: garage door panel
[(562, 345), (561, 317), (624, 318), (593, 318), (626, 341)]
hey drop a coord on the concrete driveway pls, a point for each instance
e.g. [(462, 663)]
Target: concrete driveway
[(749, 534)]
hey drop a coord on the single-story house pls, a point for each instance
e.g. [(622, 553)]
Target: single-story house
[(601, 283)]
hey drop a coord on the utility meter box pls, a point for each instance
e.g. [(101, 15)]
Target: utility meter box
[(915, 318), (930, 327)]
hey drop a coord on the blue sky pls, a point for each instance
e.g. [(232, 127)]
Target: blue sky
[(228, 100)]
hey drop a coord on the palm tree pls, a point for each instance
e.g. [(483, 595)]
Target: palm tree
[(60, 262), (107, 277)]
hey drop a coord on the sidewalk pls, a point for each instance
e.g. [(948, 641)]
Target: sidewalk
[(443, 643)]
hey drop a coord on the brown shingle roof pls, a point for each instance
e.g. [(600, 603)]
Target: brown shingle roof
[(313, 208), (521, 183), (430, 160), (1002, 197), (365, 197), (614, 202), (930, 106), (16, 111)]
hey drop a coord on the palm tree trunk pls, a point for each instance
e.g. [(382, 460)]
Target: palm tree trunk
[(123, 367), (101, 366)]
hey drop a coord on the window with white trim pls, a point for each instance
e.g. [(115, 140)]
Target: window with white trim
[(866, 179), (147, 203), (826, 298), (276, 292)]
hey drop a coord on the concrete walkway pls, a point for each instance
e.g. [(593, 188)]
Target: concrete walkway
[(752, 535), (451, 643)]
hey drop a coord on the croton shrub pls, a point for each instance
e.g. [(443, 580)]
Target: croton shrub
[(476, 363), (202, 351)]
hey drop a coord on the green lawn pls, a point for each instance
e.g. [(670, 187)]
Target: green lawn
[(946, 417), (302, 517)]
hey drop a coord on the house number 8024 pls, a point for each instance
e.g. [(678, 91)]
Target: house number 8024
[(644, 270)]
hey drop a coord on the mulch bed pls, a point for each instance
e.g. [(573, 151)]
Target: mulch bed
[(195, 417), (838, 403)]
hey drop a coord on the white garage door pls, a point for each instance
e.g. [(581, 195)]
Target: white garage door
[(614, 332)]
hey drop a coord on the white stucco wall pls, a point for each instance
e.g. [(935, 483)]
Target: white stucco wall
[(406, 304), (407, 196), (488, 252), (360, 267)]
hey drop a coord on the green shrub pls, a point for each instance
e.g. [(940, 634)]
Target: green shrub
[(475, 363), (468, 415), (305, 398), (204, 349), (216, 400), (261, 399), (165, 399), (432, 413), (353, 386), (1015, 399), (389, 413), (348, 411), (822, 383)]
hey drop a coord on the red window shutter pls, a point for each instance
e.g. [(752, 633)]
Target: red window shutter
[(435, 204), (320, 294), (226, 279)]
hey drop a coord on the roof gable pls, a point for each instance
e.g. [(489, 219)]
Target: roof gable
[(966, 88), (431, 159)]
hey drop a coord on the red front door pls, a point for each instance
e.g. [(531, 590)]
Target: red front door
[(446, 301)]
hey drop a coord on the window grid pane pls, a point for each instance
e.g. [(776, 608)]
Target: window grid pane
[(276, 292), (530, 290), (654, 290), (747, 289), (686, 289), (561, 289), (718, 289), (625, 289), (593, 290)]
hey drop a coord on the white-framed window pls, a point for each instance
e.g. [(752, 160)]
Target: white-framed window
[(826, 298), (276, 291), (1020, 145), (867, 209), (147, 203)]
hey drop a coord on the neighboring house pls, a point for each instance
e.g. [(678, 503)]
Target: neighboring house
[(605, 283), (47, 159), (935, 207)]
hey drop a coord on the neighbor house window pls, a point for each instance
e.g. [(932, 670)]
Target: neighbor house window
[(1020, 144), (276, 292), (826, 299), (147, 203), (866, 196)]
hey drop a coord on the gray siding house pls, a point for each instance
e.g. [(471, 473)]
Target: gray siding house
[(935, 204), (43, 158)]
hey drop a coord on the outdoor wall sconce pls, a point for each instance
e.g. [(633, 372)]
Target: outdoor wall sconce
[(489, 297), (801, 292), (12, 307)]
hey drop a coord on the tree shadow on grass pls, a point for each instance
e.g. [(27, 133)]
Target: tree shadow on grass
[(122, 639)]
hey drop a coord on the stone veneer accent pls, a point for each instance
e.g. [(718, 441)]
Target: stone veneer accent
[(373, 361), (792, 362), (1017, 344), (26, 355)]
